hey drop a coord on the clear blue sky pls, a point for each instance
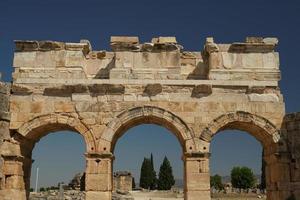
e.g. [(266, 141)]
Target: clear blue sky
[(190, 21)]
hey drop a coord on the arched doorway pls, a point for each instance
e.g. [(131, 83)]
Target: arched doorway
[(57, 159), (146, 115), (267, 134), (233, 149), (140, 144), (30, 133)]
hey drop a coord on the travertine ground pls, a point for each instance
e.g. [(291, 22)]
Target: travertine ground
[(100, 94)]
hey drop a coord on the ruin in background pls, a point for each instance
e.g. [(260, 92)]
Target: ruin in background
[(100, 95), (122, 181)]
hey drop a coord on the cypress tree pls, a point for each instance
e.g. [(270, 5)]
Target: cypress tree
[(165, 178), (153, 174), (146, 174)]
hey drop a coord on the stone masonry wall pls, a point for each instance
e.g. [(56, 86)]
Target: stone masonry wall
[(4, 127), (99, 94), (291, 129)]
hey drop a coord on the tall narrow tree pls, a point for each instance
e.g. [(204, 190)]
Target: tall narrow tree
[(165, 178), (153, 174), (146, 174)]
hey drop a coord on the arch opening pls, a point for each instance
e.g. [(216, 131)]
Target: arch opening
[(146, 141), (59, 158), (147, 115), (260, 128), (263, 131), (234, 148), (30, 134)]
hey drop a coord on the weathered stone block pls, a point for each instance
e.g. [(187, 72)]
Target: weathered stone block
[(92, 195), (13, 168), (14, 182), (99, 182)]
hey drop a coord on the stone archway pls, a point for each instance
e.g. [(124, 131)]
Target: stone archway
[(40, 126), (31, 132), (147, 115), (277, 168), (259, 127)]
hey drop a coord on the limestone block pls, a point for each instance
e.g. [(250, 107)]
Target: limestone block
[(45, 59), (254, 40), (25, 59), (98, 182), (74, 58), (98, 166), (231, 60), (12, 194), (252, 60), (130, 97), (118, 73), (26, 45), (198, 181), (14, 182), (93, 195), (163, 40), (81, 97), (123, 43), (125, 39), (197, 195), (61, 106), (10, 149), (271, 40), (170, 59), (271, 60), (4, 130), (75, 46), (13, 168), (99, 67), (51, 45), (149, 60), (263, 97)]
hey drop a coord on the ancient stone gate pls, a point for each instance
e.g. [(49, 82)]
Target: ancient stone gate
[(99, 94)]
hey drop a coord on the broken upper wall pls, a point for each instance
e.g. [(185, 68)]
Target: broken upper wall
[(254, 59), (161, 59)]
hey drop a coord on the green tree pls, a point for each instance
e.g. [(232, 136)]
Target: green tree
[(216, 182), (146, 174), (42, 189), (153, 175), (242, 177), (165, 178)]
